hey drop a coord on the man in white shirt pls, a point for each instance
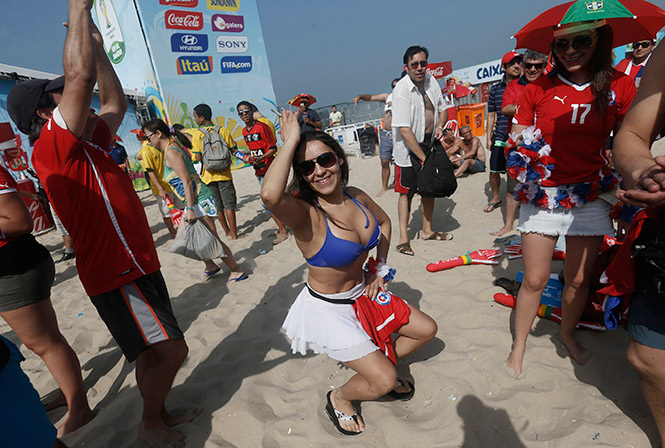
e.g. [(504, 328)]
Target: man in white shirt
[(335, 117), (419, 112)]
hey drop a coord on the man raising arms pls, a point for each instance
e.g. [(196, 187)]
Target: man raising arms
[(116, 257)]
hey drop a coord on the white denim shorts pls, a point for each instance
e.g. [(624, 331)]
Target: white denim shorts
[(591, 219)]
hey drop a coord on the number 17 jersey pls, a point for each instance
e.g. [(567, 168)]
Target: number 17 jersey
[(571, 124)]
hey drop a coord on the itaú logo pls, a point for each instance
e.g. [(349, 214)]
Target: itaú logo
[(183, 20), (194, 65)]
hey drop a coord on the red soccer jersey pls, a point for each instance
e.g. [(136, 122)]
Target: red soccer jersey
[(627, 67), (511, 95), (567, 117), (7, 185), (259, 140), (97, 204)]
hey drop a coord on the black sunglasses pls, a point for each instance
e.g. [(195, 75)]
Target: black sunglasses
[(415, 65), (579, 43), (325, 160), (537, 66), (244, 112), (637, 45)]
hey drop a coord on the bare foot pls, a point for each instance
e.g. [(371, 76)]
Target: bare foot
[(160, 436), (281, 237), (172, 420), (502, 231), (74, 422), (58, 401), (514, 363), (576, 351), (381, 193), (347, 408)]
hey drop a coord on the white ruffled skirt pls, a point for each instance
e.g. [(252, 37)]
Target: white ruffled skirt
[(330, 328)]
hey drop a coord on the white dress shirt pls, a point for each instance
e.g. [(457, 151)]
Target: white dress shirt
[(409, 111)]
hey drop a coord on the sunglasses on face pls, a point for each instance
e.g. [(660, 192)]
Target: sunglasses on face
[(638, 45), (414, 65), (325, 160), (537, 66), (244, 112), (579, 43)]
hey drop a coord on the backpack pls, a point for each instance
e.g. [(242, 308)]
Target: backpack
[(215, 152), (436, 176)]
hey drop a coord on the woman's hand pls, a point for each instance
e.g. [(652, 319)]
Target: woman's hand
[(289, 128), (191, 216), (374, 284)]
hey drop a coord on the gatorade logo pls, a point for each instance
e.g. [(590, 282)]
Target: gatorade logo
[(224, 5), (194, 65), (236, 64)]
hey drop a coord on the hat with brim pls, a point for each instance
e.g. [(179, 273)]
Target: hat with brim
[(23, 98), (138, 132), (508, 57)]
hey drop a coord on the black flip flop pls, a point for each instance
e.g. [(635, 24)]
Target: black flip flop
[(402, 396), (336, 415)]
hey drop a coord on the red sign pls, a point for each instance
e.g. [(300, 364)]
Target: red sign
[(183, 20), (184, 3), (29, 196), (440, 69)]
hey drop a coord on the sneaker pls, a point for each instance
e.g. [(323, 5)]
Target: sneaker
[(67, 256)]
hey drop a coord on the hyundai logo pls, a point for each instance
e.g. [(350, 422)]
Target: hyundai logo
[(189, 39)]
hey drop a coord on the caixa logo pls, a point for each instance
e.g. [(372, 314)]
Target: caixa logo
[(236, 64), (189, 43), (183, 20), (184, 3), (228, 23), (194, 65), (232, 44)]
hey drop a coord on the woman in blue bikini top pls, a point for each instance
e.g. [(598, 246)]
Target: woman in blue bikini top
[(335, 227)]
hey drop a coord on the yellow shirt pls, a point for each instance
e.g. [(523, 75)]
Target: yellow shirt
[(153, 160), (197, 147)]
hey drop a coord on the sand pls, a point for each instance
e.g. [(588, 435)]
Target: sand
[(254, 392)]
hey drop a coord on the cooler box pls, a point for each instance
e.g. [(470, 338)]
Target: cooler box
[(39, 216), (472, 115)]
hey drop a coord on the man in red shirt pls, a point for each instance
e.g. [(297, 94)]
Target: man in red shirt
[(534, 67), (633, 65), (94, 198), (262, 150)]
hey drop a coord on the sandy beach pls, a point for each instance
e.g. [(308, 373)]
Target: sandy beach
[(255, 393)]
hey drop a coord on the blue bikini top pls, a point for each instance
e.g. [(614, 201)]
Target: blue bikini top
[(336, 252)]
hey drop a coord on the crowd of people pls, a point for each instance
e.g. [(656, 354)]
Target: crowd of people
[(576, 101)]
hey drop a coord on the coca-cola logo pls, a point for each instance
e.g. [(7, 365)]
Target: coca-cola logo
[(183, 20), (440, 69), (185, 3)]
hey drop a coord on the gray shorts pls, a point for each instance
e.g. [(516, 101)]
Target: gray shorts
[(386, 145), (224, 193), (477, 167), (164, 209), (32, 286), (645, 318)]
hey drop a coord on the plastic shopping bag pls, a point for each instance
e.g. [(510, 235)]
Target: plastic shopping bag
[(197, 241)]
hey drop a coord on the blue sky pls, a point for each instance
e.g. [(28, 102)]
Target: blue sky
[(333, 49)]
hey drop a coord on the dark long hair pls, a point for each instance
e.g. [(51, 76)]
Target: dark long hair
[(158, 125), (299, 186), (45, 102), (601, 68)]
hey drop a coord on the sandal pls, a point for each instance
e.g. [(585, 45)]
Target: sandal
[(439, 236), (491, 206), (337, 416), (207, 275), (402, 396), (238, 279), (405, 248)]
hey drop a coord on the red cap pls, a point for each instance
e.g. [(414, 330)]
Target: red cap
[(509, 57), (138, 132)]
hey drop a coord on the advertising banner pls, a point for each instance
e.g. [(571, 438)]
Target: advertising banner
[(440, 69), (119, 24), (481, 73), (208, 51)]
